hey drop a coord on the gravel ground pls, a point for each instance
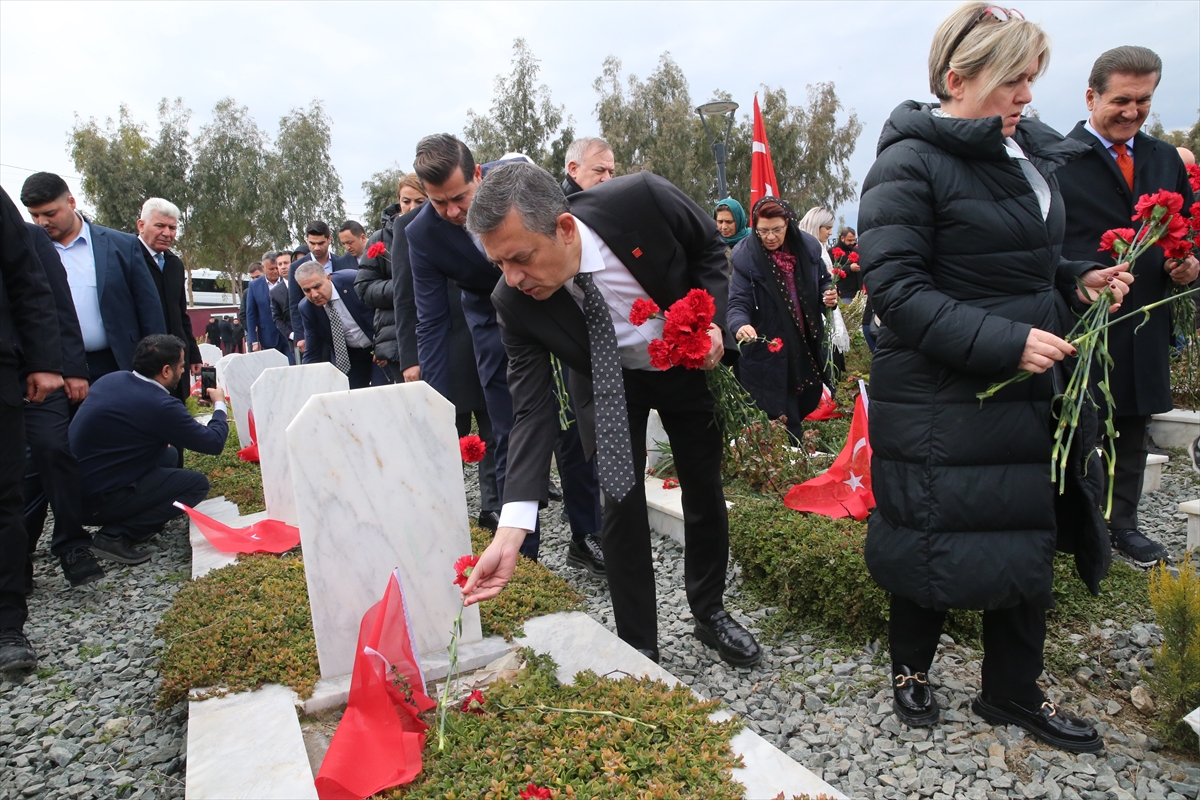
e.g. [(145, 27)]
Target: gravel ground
[(829, 708), (84, 725)]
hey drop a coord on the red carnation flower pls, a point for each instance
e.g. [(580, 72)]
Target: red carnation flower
[(535, 792), (1193, 172), (642, 310), (775, 345), (473, 704), (376, 250), (1176, 249), (671, 483), (473, 449), (1116, 241), (837, 253), (463, 568), (1171, 202), (852, 258), (702, 305), (840, 273)]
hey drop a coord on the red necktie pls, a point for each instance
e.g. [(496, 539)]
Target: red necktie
[(1124, 163)]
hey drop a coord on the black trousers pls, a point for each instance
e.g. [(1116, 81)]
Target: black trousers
[(100, 363), (52, 475), (1013, 642), (1130, 472), (489, 494), (685, 406), (140, 511), (580, 483), (13, 547)]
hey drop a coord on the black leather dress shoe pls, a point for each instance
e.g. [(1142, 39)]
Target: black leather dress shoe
[(735, 644), (554, 492), (650, 654), (912, 697), (587, 555), (1047, 722), (118, 548), (488, 520), (80, 567)]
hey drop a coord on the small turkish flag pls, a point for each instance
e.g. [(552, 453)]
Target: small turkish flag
[(250, 451), (265, 536), (762, 170), (378, 742), (826, 409), (845, 489)]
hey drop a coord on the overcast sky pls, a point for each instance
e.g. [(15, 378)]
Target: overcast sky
[(390, 73)]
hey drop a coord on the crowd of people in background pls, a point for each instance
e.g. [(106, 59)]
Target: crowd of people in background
[(495, 284)]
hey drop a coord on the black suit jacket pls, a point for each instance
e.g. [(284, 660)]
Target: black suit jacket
[(281, 312), (1097, 198), (318, 346), (296, 294), (74, 358), (171, 282), (28, 324), (668, 243)]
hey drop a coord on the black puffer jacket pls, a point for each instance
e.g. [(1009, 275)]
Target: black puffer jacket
[(960, 266), (374, 286)]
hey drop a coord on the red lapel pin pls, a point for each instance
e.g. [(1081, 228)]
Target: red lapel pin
[(637, 252)]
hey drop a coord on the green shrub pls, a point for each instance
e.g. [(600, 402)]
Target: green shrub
[(238, 481), (240, 627), (1175, 680)]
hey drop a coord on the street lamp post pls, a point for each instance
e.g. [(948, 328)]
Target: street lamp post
[(718, 108)]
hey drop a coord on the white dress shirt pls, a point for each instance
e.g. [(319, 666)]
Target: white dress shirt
[(354, 334), (217, 406), (79, 260), (619, 289), (156, 256)]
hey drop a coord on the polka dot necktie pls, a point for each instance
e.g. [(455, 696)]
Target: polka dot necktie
[(341, 356), (614, 452)]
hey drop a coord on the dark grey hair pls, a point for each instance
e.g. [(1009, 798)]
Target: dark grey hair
[(528, 188), (1125, 60), (270, 255)]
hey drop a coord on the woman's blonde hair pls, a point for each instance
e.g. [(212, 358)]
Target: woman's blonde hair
[(412, 181), (816, 218), (998, 49)]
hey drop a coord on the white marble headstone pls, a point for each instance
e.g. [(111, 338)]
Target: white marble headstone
[(379, 485), (210, 354), (240, 375), (222, 363), (276, 397)]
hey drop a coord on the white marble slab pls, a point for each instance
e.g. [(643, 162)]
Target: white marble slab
[(379, 485), (247, 745), (221, 365), (655, 432), (276, 397), (1176, 428), (1192, 509), (210, 354), (1153, 476), (664, 507), (240, 374), (577, 642)]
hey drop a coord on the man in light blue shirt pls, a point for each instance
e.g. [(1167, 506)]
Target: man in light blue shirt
[(115, 298)]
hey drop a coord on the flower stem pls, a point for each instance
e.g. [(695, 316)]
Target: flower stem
[(451, 677)]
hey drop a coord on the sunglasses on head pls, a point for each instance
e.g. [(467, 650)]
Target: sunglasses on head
[(996, 12)]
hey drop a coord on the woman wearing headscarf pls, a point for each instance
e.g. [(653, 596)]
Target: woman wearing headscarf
[(731, 224), (961, 249), (779, 291)]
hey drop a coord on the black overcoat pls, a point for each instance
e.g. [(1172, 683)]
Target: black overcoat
[(960, 266), (374, 286), (1098, 199), (757, 299)]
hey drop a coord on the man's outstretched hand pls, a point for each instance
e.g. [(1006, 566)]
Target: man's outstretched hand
[(495, 566)]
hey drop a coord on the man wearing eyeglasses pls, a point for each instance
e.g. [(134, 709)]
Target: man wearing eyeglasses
[(1100, 190)]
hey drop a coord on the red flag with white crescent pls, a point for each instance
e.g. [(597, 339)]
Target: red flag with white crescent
[(845, 489), (762, 170), (264, 536)]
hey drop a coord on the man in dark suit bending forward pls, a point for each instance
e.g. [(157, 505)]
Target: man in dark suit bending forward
[(572, 270)]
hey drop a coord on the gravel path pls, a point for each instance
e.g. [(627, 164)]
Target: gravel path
[(830, 708), (84, 725)]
